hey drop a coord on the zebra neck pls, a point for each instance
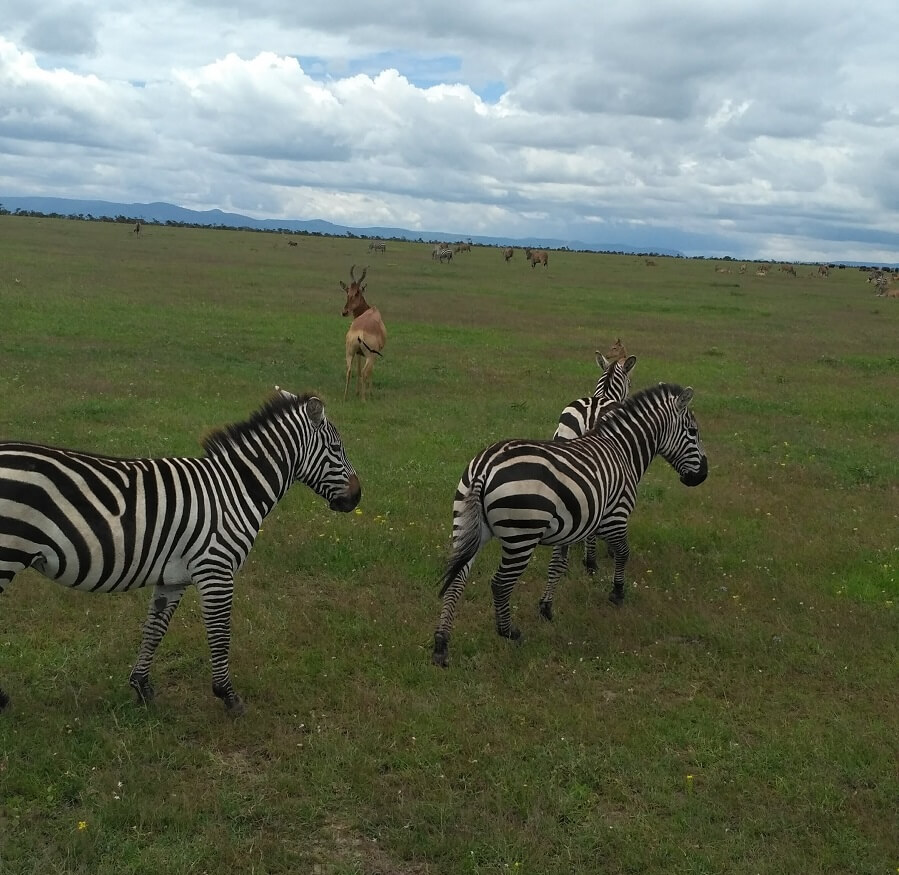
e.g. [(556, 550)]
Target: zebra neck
[(263, 476), (640, 437)]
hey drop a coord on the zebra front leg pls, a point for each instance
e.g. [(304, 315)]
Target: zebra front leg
[(216, 599), (162, 606), (447, 617), (510, 570), (620, 552), (558, 565), (590, 554)]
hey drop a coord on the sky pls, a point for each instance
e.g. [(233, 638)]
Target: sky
[(759, 129)]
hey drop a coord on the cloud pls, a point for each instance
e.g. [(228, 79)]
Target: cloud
[(744, 125)]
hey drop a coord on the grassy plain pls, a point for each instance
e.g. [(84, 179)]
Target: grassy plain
[(737, 714)]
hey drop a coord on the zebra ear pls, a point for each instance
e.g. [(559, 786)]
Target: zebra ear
[(685, 398), (284, 393), (316, 410), (628, 364)]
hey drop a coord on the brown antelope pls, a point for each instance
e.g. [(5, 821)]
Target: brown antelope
[(508, 252), (823, 271), (762, 271), (366, 336), (462, 247), (538, 256), (788, 268), (649, 262)]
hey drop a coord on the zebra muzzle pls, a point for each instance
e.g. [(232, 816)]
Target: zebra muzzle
[(694, 478), (348, 499)]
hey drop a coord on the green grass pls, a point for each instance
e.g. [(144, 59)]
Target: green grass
[(756, 651)]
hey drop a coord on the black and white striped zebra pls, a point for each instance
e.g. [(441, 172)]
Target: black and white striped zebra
[(526, 493), (583, 414), (105, 524)]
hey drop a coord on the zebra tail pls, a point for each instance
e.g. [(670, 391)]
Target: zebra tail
[(466, 537)]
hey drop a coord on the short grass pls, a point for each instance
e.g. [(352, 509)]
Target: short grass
[(737, 714)]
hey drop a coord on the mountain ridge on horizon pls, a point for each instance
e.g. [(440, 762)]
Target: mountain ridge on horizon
[(162, 212)]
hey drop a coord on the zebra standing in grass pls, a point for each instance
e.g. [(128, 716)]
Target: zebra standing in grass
[(104, 524), (582, 415), (526, 493)]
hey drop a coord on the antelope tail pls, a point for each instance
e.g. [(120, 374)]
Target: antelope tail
[(466, 536), (369, 348)]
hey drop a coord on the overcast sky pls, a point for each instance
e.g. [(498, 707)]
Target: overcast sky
[(752, 128)]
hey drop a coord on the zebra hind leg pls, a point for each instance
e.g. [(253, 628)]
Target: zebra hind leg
[(511, 568), (558, 565), (440, 656), (162, 606)]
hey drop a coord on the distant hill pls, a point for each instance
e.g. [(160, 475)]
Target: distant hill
[(163, 213)]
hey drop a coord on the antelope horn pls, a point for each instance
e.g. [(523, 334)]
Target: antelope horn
[(352, 272), (364, 271)]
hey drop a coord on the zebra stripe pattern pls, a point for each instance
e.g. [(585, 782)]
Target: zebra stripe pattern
[(582, 415), (104, 524), (526, 493)]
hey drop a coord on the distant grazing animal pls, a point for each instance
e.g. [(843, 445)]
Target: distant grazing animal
[(105, 524), (526, 492), (366, 336), (583, 415), (462, 247), (537, 256), (720, 269), (762, 271), (823, 271), (788, 268), (650, 262), (377, 246), (442, 253), (136, 229), (508, 252), (291, 242)]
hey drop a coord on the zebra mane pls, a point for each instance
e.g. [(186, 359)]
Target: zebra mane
[(643, 398), (227, 435)]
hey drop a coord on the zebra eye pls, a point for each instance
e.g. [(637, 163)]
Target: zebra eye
[(692, 431)]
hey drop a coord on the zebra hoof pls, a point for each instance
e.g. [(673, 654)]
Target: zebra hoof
[(234, 705), (440, 656), (143, 688), (513, 634), (590, 565), (546, 611), (4, 700), (616, 597)]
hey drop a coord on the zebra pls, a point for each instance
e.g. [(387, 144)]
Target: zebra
[(526, 492), (106, 524), (583, 415), (377, 246), (444, 253)]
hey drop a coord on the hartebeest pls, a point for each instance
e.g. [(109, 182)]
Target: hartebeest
[(537, 256), (508, 252), (366, 336)]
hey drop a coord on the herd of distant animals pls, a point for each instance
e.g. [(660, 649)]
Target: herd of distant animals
[(105, 524)]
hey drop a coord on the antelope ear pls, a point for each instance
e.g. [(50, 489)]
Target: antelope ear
[(316, 410), (601, 361), (685, 398), (628, 363)]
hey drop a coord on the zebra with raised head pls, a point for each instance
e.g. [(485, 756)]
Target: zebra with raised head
[(105, 524), (583, 414), (526, 492)]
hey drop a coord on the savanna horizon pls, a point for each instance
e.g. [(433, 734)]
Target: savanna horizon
[(735, 714)]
